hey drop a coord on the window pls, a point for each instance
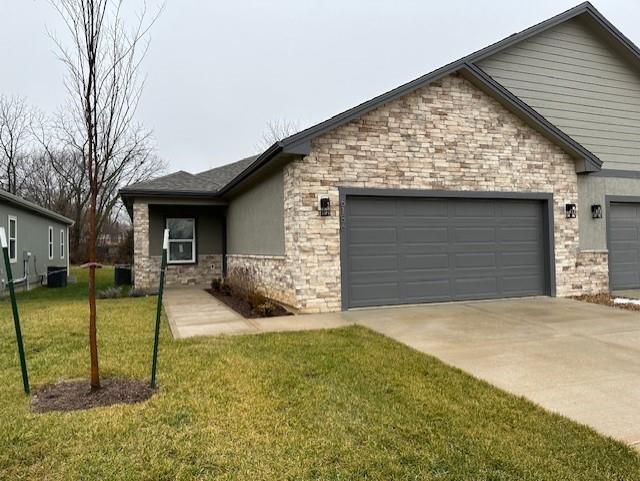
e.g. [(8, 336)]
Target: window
[(13, 238), (50, 242), (182, 240), (61, 243)]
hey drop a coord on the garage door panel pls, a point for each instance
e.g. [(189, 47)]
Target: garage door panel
[(443, 249), (520, 210), (372, 235), (519, 234), (364, 263), (519, 259), (419, 208), (374, 294), (522, 284), (625, 256), (427, 290), (424, 234), (375, 207), (424, 261), (624, 245), (473, 209), (474, 234), (487, 259), (476, 287), (625, 211)]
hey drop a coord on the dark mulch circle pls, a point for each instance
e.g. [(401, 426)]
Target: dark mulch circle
[(75, 395)]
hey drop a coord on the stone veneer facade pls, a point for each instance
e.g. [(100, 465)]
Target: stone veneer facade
[(146, 269), (448, 135)]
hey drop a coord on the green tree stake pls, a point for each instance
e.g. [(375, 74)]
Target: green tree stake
[(14, 307), (163, 268)]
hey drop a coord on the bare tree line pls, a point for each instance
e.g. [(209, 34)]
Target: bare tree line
[(42, 160)]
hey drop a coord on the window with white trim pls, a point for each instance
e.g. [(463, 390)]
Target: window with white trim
[(12, 227), (61, 243), (50, 242), (182, 240)]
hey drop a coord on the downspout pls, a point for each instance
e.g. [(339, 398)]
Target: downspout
[(224, 244)]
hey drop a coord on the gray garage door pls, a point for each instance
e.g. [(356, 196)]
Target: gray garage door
[(624, 245), (412, 250)]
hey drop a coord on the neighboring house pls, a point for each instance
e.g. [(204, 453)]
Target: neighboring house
[(37, 238), (462, 184)]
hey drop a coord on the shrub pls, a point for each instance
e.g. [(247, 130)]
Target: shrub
[(137, 292), (110, 293), (266, 309), (255, 299)]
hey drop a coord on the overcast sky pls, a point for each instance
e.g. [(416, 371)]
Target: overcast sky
[(218, 71)]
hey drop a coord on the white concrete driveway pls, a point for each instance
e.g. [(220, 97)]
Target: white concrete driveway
[(580, 360)]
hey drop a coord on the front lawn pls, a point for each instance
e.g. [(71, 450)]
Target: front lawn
[(342, 404)]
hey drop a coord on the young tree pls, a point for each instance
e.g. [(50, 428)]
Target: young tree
[(104, 88)]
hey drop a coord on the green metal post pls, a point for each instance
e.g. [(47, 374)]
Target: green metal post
[(14, 307), (163, 268)]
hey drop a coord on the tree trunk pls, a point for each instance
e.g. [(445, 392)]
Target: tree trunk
[(93, 343)]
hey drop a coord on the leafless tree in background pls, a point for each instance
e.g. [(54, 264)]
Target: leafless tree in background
[(61, 146), (104, 89), (15, 129), (276, 130)]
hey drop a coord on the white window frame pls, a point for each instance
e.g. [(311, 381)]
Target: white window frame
[(62, 243), (50, 243), (193, 242), (13, 218)]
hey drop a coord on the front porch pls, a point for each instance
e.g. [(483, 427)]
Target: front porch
[(197, 241)]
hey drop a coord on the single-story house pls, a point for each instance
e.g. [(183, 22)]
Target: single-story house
[(514, 171), (37, 238)]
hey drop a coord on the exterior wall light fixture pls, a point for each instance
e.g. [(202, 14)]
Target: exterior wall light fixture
[(596, 211), (324, 205), (571, 211)]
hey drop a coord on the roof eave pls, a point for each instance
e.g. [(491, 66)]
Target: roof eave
[(27, 205)]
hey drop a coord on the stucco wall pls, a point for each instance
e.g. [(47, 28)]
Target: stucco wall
[(593, 189), (33, 232), (448, 135), (255, 218)]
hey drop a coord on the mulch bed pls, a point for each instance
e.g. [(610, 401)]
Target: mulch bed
[(241, 305), (76, 395), (606, 300)]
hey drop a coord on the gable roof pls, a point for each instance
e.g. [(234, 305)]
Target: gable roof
[(30, 206), (220, 181), (206, 183), (299, 143)]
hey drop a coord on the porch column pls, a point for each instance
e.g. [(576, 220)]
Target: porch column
[(141, 261)]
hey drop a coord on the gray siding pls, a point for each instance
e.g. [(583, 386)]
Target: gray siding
[(33, 232), (255, 222), (209, 222), (581, 85)]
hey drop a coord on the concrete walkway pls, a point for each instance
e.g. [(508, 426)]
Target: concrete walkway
[(194, 312)]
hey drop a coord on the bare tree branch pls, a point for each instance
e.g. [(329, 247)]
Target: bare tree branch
[(276, 130)]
